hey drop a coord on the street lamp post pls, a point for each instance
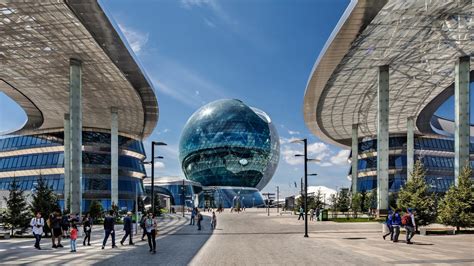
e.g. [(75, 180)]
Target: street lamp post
[(183, 198), (306, 160), (153, 144), (278, 199)]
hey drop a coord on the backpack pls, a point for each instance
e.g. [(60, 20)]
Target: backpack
[(406, 219)]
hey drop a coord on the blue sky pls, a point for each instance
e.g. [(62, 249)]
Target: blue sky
[(261, 52)]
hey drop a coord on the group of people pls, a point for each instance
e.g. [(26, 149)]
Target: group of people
[(313, 213), (66, 226), (395, 221), (197, 217), (60, 226)]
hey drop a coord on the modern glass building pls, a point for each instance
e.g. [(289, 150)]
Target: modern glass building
[(44, 154), (435, 153), (88, 104), (377, 84), (231, 148), (174, 187)]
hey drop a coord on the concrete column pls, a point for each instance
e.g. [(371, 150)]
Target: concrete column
[(461, 116), (75, 111), (382, 138), (114, 156), (355, 156), (67, 162), (410, 146)]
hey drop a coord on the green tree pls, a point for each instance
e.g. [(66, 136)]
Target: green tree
[(17, 215), (96, 209), (333, 204), (370, 201), (44, 199), (457, 206), (343, 200), (415, 194), (356, 204), (318, 199)]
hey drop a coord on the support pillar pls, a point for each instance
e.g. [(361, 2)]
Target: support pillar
[(114, 156), (75, 111), (67, 163), (355, 157), (382, 138), (410, 146), (461, 116)]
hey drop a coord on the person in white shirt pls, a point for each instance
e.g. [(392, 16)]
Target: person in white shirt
[(37, 224)]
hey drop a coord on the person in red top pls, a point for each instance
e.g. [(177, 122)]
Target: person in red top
[(73, 237)]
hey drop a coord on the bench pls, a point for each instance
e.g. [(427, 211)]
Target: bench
[(4, 235), (449, 231)]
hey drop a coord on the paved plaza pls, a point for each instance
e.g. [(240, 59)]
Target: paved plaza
[(253, 238)]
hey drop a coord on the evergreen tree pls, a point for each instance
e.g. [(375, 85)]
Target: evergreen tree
[(45, 199), (333, 204), (356, 204), (17, 215), (415, 194), (318, 199), (457, 207), (95, 209), (343, 200)]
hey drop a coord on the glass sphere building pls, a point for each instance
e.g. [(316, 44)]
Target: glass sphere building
[(227, 144)]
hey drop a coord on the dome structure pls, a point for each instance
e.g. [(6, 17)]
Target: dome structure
[(227, 143)]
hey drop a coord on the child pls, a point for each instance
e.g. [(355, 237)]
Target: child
[(73, 237)]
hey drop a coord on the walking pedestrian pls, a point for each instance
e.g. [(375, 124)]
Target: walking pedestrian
[(142, 225), (87, 229), (37, 224), (73, 237), (318, 211), (56, 220), (396, 223), (311, 213), (127, 227), (193, 215), (151, 228), (388, 222), (408, 221), (301, 214), (213, 221), (109, 228), (199, 219)]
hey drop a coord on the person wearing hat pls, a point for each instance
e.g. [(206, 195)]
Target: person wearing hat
[(127, 227)]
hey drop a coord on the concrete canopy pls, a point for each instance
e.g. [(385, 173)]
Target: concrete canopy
[(419, 40), (38, 38)]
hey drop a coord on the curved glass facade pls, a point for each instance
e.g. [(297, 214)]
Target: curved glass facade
[(228, 197), (20, 153), (227, 143), (436, 154)]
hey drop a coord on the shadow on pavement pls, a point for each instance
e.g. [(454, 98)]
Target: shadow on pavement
[(173, 248)]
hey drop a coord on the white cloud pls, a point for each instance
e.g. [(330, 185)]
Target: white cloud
[(185, 85), (209, 23), (158, 165), (136, 39), (284, 140), (291, 132), (340, 158), (289, 156), (325, 164), (318, 150)]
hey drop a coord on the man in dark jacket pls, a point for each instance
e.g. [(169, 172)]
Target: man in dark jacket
[(127, 227), (109, 224)]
